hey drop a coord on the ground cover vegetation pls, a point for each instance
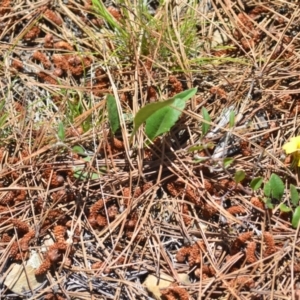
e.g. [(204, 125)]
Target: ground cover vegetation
[(149, 150)]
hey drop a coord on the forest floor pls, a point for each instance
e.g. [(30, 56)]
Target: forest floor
[(92, 207)]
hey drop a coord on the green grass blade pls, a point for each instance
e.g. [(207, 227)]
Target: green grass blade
[(113, 114)]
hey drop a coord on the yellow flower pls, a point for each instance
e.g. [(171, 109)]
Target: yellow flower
[(293, 147)]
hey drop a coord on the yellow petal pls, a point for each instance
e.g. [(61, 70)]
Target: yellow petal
[(296, 140), (290, 147)]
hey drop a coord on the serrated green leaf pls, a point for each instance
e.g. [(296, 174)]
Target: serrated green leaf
[(296, 217), (148, 110), (206, 117), (113, 115), (284, 208), (277, 186), (239, 176), (163, 119), (61, 131), (256, 183), (78, 149), (267, 189), (231, 118), (294, 195), (227, 162)]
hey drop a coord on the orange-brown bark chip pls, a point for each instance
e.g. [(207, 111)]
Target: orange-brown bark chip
[(250, 253), (53, 17), (99, 265), (185, 214), (256, 202), (8, 198), (182, 254), (32, 34), (5, 7), (240, 242), (18, 65), (270, 244), (242, 282), (53, 255), (96, 207), (43, 268), (48, 40), (26, 239), (176, 85), (115, 13), (21, 226), (126, 195), (175, 293), (46, 78), (42, 58), (236, 210), (59, 233), (207, 271), (190, 253)]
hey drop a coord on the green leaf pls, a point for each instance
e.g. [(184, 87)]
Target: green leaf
[(206, 117), (61, 131), (113, 115), (294, 195), (256, 183), (268, 203), (3, 119), (78, 174), (277, 186), (227, 162), (296, 217), (78, 149), (145, 112), (284, 208), (239, 176), (267, 189), (231, 118), (209, 145), (2, 103), (163, 119)]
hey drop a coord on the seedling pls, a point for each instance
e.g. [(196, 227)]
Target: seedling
[(161, 116), (294, 208)]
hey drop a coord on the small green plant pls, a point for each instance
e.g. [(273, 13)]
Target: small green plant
[(274, 189), (295, 208), (161, 116)]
